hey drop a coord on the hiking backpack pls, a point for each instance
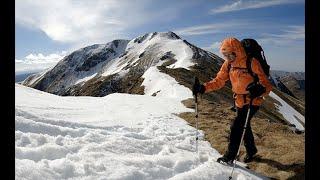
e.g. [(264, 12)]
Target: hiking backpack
[(254, 50)]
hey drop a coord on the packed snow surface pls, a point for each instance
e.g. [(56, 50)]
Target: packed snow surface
[(119, 136)]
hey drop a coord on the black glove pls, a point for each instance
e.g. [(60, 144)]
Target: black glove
[(197, 87), (255, 90)]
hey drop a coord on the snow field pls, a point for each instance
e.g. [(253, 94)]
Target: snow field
[(118, 136)]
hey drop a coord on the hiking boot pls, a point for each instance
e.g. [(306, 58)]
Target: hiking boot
[(225, 159), (249, 157)]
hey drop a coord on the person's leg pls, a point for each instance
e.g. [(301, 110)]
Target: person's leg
[(236, 133), (248, 136), (249, 141)]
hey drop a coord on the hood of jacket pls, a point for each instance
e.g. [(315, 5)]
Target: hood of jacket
[(232, 44)]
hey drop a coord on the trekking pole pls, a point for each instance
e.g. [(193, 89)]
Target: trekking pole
[(242, 136), (196, 81)]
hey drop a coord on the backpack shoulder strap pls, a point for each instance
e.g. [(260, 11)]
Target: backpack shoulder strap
[(229, 66), (249, 67)]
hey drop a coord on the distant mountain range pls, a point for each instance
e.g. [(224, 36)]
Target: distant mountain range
[(291, 83), (296, 75), (22, 77)]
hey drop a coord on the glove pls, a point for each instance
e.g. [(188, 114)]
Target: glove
[(255, 90), (198, 88)]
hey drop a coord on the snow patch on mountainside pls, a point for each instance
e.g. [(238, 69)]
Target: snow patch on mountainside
[(163, 85), (158, 44), (114, 66), (79, 66), (165, 43), (288, 112), (86, 78)]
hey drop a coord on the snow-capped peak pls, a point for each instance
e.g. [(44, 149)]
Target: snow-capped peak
[(161, 43), (92, 55), (149, 36), (118, 59)]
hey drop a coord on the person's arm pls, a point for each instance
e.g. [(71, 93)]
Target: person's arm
[(220, 80), (263, 79)]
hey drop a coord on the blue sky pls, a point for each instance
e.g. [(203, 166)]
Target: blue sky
[(48, 30)]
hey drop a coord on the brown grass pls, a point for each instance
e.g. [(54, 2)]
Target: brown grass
[(280, 151)]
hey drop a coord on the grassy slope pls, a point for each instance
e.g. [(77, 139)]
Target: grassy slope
[(280, 150)]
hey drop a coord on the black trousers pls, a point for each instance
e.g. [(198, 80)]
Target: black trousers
[(237, 127)]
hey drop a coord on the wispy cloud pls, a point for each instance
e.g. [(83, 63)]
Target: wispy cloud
[(287, 36), (209, 28), (285, 50), (213, 47), (86, 22), (37, 62), (251, 4), (229, 27)]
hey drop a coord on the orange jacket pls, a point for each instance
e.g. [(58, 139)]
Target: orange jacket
[(240, 78)]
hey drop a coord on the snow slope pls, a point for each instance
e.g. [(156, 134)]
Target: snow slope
[(158, 43), (163, 85), (78, 66), (119, 136), (288, 112)]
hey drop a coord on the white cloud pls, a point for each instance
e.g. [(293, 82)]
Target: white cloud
[(230, 27), (214, 46), (210, 28), (287, 37), (285, 50), (288, 34), (86, 22), (37, 62), (251, 4)]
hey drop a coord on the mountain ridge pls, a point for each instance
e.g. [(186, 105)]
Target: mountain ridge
[(102, 69), (134, 58)]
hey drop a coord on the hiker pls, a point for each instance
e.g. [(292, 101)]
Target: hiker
[(235, 69)]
